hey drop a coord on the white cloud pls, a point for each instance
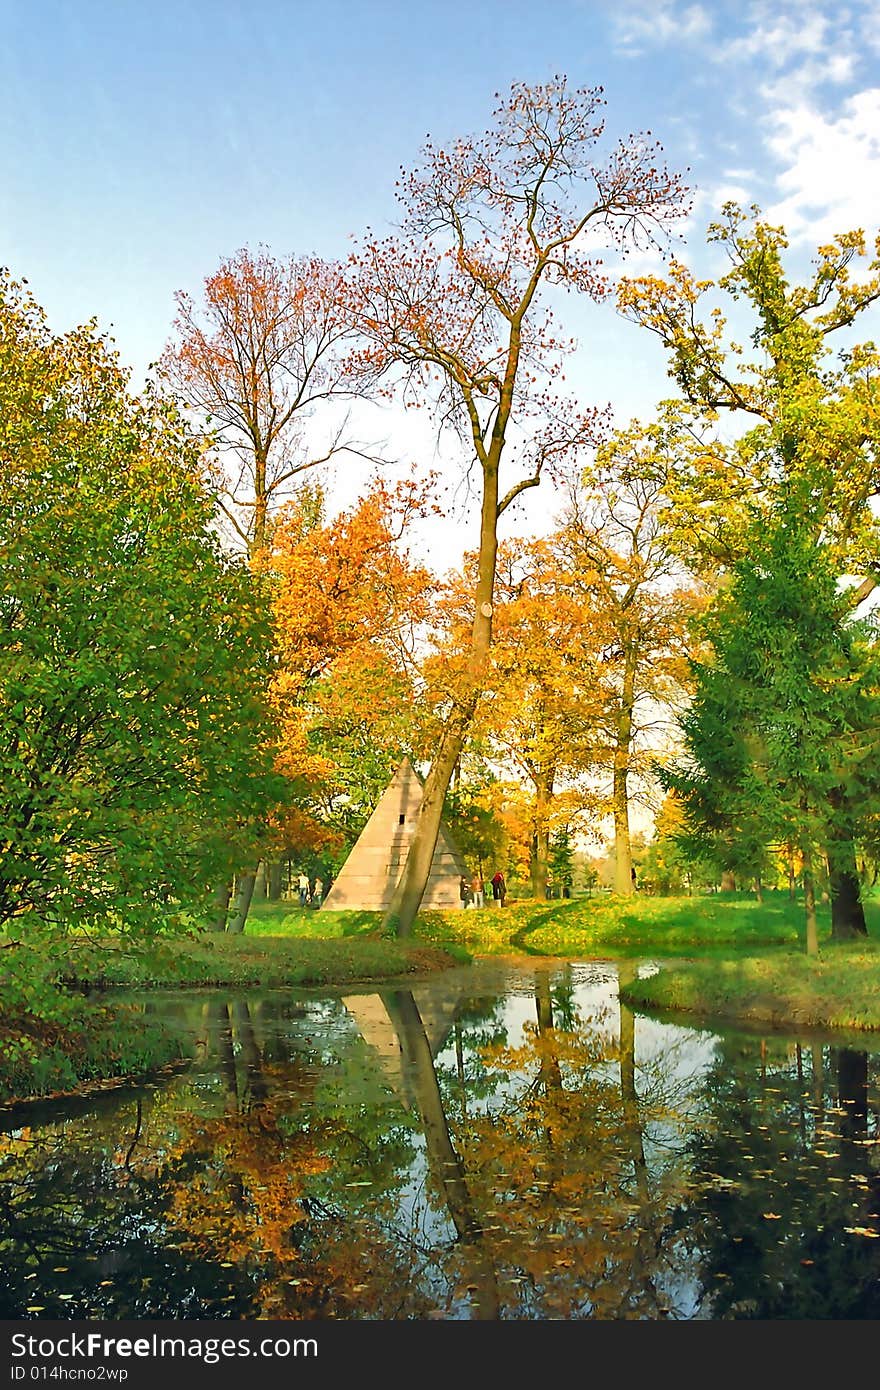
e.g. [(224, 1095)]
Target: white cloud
[(663, 22), (830, 166), (803, 80), (778, 35)]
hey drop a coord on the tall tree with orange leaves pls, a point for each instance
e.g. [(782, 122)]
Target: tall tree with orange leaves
[(451, 311), (346, 600), (254, 361), (543, 700)]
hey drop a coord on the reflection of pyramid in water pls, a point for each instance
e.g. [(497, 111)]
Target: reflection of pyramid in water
[(437, 1009), (369, 876)]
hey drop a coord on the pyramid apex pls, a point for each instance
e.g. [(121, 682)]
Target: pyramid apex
[(406, 769)]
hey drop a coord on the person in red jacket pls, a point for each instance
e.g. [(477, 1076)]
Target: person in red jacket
[(499, 888)]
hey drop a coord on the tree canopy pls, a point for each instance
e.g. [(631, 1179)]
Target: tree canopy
[(133, 731)]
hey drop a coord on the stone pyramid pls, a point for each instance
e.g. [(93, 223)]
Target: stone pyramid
[(369, 876)]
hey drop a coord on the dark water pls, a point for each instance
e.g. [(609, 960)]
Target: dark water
[(499, 1142)]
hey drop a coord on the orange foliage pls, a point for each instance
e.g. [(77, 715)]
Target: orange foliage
[(346, 599), (252, 361)]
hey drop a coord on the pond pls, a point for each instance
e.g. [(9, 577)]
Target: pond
[(499, 1141)]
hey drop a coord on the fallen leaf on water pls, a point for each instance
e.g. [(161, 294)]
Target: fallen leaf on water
[(862, 1231), (771, 1216)]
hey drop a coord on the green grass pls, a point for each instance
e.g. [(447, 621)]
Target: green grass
[(784, 989), (580, 926), (734, 958), (244, 961)]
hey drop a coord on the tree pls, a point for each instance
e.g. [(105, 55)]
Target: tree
[(346, 599), (452, 309), (537, 719), (615, 546), (254, 362), (131, 666), (785, 711), (810, 433)]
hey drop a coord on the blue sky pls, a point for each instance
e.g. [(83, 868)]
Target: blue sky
[(140, 143)]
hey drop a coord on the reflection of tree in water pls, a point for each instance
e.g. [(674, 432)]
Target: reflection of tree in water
[(572, 1219), (297, 1171), (82, 1236), (193, 1198), (786, 1213)]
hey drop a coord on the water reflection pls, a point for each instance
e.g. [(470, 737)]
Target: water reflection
[(499, 1142)]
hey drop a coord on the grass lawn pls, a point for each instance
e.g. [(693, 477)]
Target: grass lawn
[(579, 926), (782, 989), (262, 960)]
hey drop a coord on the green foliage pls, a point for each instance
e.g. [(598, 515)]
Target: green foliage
[(475, 824), (561, 858), (781, 737), (671, 866), (133, 737), (808, 419), (89, 1042)]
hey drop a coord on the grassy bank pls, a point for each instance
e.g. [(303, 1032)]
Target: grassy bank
[(785, 989), (257, 960), (743, 960), (95, 1044), (580, 926)]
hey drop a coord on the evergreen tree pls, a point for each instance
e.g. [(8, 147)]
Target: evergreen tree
[(781, 738)]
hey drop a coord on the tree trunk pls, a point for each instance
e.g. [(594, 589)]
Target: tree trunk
[(852, 1092), (847, 913), (623, 869), (221, 1027), (759, 889), (818, 1073), (404, 906), (242, 905), (257, 1089), (260, 883), (810, 906), (445, 1164), (540, 866), (261, 506), (275, 882), (728, 882), (222, 894)]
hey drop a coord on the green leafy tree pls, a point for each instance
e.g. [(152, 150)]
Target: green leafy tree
[(808, 439), (133, 737), (785, 711)]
